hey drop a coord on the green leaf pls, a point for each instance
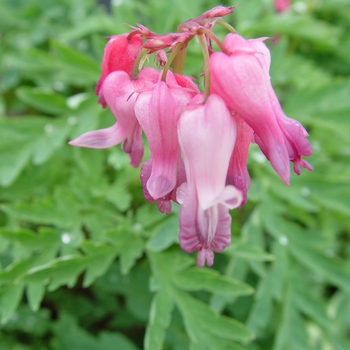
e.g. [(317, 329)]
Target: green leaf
[(42, 100), (99, 257), (9, 300), (61, 271), (210, 280), (292, 332), (159, 320), (130, 248), (165, 235), (35, 293), (23, 138), (119, 195), (75, 67), (196, 317)]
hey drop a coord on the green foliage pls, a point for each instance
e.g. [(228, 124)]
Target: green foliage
[(86, 263)]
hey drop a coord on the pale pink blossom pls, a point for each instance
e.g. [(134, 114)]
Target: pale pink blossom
[(120, 93), (207, 134)]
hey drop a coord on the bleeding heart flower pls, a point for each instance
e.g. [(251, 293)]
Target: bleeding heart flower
[(207, 134)]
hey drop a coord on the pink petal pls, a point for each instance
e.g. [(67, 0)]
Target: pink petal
[(158, 111), (102, 138), (238, 174), (120, 54), (207, 134)]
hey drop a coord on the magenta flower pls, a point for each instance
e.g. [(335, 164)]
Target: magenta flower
[(158, 111), (207, 134), (282, 5), (120, 54), (120, 93), (247, 91)]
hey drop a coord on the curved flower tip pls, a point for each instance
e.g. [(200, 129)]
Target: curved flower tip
[(102, 138), (164, 202)]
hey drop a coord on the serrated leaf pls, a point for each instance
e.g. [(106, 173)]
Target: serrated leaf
[(130, 248), (15, 272), (99, 258), (61, 271)]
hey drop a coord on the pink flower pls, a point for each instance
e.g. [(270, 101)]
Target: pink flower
[(207, 134), (120, 54), (120, 93), (238, 174), (282, 5), (158, 111), (242, 79), (163, 203)]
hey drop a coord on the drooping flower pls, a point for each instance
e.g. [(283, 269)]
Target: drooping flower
[(158, 111), (207, 134), (120, 54), (247, 90), (120, 93)]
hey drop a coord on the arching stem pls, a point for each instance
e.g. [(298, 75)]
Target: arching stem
[(171, 58), (212, 36), (140, 59), (226, 25), (204, 45)]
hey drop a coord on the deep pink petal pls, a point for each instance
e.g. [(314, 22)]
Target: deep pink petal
[(120, 54), (158, 111)]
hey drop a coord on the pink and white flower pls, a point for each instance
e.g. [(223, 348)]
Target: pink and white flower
[(207, 134)]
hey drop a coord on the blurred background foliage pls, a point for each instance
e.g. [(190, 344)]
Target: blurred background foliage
[(87, 263)]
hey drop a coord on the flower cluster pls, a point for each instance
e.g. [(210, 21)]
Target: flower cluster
[(198, 140)]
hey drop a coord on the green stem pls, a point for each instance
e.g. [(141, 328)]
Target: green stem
[(171, 59), (226, 25), (138, 62), (212, 36), (204, 45), (179, 61)]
